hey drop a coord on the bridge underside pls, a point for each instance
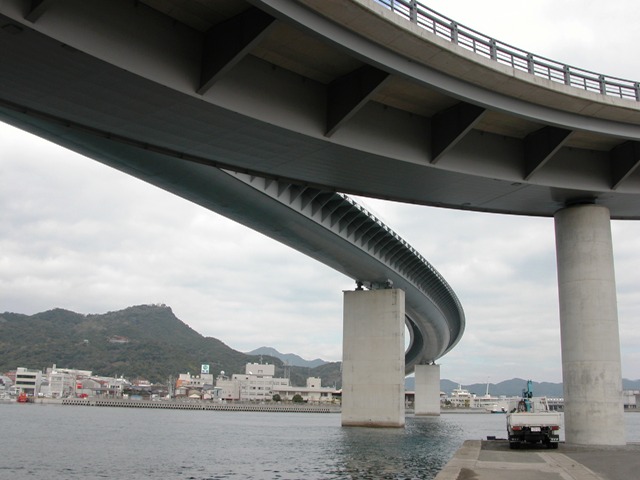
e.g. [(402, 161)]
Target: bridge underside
[(176, 79)]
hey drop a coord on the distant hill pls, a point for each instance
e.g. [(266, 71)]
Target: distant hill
[(288, 358), (513, 387), (149, 341), (146, 341)]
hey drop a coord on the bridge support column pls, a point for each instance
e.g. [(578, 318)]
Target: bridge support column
[(373, 358), (427, 401), (589, 327)]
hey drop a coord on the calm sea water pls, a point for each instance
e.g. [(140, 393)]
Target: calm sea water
[(67, 442)]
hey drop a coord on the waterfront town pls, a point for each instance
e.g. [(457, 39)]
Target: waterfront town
[(257, 384)]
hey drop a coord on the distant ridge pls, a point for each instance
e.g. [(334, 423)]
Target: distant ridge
[(513, 387), (289, 358), (151, 342)]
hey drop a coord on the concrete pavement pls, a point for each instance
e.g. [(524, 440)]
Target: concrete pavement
[(493, 460)]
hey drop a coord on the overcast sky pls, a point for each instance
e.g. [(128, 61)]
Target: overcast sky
[(78, 235)]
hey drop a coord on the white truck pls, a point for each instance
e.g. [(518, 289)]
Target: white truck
[(532, 422)]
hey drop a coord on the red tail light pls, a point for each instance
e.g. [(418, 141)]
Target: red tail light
[(516, 427), (555, 427)]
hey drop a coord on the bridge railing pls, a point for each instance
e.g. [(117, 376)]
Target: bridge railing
[(505, 54), (443, 283)]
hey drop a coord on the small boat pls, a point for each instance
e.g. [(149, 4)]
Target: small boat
[(496, 409), (23, 398)]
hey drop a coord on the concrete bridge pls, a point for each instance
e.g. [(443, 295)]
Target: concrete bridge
[(385, 99)]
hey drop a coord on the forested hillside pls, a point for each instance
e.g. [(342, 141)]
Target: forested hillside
[(146, 341)]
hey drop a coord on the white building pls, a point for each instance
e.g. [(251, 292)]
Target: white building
[(5, 386), (260, 370), (226, 388), (28, 381), (630, 399), (61, 384), (71, 382), (258, 384), (64, 382), (313, 392)]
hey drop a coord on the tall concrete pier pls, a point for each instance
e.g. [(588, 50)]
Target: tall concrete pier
[(427, 399), (589, 327), (373, 358)]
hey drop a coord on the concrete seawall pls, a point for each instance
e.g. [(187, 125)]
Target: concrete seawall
[(240, 407)]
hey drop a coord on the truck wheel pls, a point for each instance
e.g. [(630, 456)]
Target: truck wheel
[(553, 446)]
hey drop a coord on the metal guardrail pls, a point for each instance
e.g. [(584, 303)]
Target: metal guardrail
[(417, 254), (505, 54), (443, 295)]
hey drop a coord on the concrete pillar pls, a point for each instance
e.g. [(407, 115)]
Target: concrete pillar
[(589, 327), (427, 401), (373, 358)]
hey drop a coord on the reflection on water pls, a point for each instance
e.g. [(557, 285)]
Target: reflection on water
[(418, 451), (45, 442)]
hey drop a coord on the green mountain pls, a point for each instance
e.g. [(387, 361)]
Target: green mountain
[(146, 341)]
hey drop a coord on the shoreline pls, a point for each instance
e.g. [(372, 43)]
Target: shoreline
[(197, 405)]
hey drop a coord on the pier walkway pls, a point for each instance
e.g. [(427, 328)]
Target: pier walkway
[(493, 460)]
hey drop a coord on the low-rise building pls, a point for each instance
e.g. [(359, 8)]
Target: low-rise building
[(193, 386), (28, 381), (5, 386), (61, 384), (112, 387), (258, 384), (313, 392), (64, 382), (630, 399), (71, 382)]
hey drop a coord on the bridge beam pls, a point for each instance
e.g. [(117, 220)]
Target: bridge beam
[(625, 159), (589, 327), (351, 92), (37, 8), (540, 146), (427, 399), (373, 358), (450, 126), (227, 43)]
